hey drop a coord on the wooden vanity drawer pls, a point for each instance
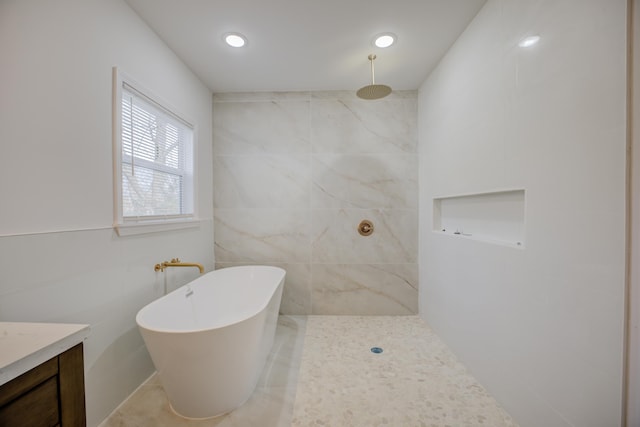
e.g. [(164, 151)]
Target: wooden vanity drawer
[(37, 408), (49, 395), (28, 380)]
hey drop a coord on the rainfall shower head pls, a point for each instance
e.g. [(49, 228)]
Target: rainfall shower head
[(373, 91)]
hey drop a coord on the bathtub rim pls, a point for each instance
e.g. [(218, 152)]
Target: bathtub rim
[(261, 308)]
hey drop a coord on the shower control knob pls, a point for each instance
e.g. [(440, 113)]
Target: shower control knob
[(365, 228)]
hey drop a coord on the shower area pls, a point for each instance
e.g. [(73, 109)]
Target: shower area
[(294, 174)]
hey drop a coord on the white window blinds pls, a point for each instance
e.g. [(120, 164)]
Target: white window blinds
[(156, 160)]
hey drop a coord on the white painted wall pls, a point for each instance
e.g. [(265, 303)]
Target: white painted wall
[(540, 327), (633, 343), (60, 259)]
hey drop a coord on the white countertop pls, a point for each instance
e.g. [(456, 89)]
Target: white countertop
[(23, 346)]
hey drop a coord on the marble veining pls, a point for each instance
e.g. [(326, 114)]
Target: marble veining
[(261, 235), (354, 126), (262, 181), (335, 239), (365, 181), (261, 127), (323, 373), (296, 172), (365, 289)]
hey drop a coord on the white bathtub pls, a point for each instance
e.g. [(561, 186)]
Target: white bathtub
[(209, 340)]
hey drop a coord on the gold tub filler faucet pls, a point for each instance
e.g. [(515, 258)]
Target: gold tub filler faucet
[(175, 262)]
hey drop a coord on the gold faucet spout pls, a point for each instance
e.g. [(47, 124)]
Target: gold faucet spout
[(177, 263)]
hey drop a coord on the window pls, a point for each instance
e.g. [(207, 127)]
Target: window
[(153, 152)]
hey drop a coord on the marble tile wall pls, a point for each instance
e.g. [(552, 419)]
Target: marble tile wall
[(295, 173)]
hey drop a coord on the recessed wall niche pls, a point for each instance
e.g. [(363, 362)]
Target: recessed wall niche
[(495, 217)]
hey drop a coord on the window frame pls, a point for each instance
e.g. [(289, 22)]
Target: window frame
[(125, 226)]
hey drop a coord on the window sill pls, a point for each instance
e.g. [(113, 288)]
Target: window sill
[(134, 228)]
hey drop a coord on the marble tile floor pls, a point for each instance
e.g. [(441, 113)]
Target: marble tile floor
[(322, 373)]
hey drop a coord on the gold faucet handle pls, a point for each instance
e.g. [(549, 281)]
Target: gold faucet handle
[(175, 260)]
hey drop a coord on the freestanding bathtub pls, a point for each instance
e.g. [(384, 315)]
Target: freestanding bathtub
[(209, 339)]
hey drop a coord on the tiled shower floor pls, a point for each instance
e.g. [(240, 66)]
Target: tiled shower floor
[(322, 373)]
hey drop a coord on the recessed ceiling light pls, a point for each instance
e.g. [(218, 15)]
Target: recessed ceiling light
[(235, 39), (384, 40), (529, 41)]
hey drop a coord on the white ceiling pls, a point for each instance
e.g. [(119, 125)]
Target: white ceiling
[(299, 45)]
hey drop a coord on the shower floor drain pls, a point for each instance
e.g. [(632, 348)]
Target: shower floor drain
[(376, 350)]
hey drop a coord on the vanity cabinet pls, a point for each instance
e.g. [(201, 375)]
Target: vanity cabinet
[(51, 394)]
